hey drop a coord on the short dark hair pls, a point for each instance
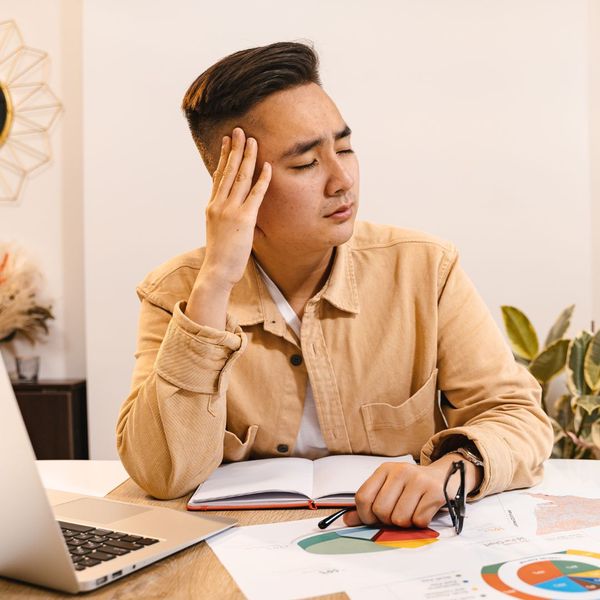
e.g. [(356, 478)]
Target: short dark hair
[(233, 85)]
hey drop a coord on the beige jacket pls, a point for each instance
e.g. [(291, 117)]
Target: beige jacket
[(397, 320)]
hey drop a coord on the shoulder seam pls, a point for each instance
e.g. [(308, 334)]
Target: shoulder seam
[(448, 260), (150, 297), (445, 247), (151, 286)]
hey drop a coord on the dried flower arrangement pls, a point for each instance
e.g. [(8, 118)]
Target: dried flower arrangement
[(21, 314)]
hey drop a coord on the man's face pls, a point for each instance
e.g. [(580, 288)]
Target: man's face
[(312, 199)]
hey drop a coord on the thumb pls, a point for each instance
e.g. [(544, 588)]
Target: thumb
[(351, 519)]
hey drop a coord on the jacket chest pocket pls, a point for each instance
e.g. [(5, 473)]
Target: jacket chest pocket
[(396, 429)]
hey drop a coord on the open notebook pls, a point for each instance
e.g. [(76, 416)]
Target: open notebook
[(287, 482)]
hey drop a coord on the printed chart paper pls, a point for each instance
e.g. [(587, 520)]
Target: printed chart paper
[(527, 545), (571, 574)]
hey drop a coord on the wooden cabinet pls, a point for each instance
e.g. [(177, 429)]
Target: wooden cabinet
[(55, 414)]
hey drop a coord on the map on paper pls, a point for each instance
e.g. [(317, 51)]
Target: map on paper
[(508, 548), (565, 513)]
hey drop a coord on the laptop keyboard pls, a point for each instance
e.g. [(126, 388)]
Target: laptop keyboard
[(89, 546)]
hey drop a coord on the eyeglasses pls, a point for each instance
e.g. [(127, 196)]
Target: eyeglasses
[(456, 505)]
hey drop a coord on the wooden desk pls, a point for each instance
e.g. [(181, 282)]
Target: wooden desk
[(194, 573)]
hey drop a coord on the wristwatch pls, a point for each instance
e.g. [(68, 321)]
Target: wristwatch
[(470, 456)]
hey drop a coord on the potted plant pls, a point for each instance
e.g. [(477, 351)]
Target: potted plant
[(575, 415)]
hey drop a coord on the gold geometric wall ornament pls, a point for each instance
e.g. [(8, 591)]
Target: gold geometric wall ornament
[(28, 109)]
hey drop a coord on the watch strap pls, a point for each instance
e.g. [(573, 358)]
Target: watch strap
[(470, 456)]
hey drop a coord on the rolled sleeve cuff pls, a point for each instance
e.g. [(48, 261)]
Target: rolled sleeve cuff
[(193, 357), (495, 453)]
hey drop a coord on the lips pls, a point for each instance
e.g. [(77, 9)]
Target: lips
[(340, 210)]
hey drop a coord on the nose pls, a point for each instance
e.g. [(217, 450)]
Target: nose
[(340, 180)]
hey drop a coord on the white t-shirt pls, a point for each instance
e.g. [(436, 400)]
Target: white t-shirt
[(310, 442)]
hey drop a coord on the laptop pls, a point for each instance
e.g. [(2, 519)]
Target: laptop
[(71, 542)]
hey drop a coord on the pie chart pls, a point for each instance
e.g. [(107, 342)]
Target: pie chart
[(358, 540), (560, 576)]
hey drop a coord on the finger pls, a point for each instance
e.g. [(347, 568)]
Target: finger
[(351, 519), (387, 498), (257, 193), (406, 504), (218, 173), (426, 509), (243, 178), (238, 142), (367, 493)]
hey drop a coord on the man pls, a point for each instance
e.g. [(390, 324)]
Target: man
[(296, 332)]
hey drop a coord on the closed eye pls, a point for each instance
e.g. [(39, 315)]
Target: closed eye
[(307, 166), (314, 163)]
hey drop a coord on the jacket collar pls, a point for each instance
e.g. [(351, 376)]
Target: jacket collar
[(251, 302)]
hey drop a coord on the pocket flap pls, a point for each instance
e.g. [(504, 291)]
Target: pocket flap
[(234, 449)]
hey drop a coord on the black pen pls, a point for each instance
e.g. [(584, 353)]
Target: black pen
[(327, 521)]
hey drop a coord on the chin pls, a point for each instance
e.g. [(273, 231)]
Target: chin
[(342, 233)]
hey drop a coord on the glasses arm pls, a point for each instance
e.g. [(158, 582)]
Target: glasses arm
[(456, 505)]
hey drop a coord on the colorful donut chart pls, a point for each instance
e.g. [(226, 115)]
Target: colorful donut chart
[(566, 575)]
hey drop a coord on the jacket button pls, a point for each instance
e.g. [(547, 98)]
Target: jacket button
[(296, 360), (283, 448)]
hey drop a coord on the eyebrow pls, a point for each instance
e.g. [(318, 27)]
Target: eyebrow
[(302, 147)]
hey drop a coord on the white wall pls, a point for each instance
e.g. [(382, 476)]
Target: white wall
[(47, 221), (471, 121), (594, 106)]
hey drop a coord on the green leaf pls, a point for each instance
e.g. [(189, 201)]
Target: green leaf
[(595, 433), (591, 363), (559, 433), (585, 427), (575, 358), (582, 452), (578, 415), (560, 326), (563, 413), (587, 403), (522, 335), (550, 362)]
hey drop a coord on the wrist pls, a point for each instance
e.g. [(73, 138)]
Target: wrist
[(213, 279), (208, 300), (473, 469)]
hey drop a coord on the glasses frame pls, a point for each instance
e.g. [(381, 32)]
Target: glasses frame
[(456, 506)]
